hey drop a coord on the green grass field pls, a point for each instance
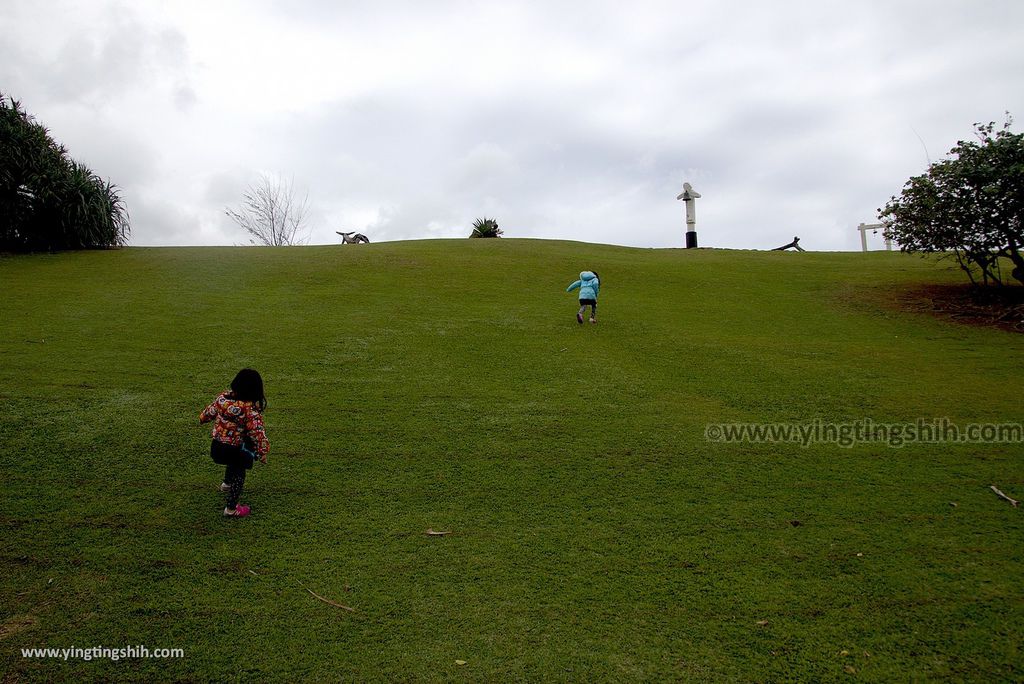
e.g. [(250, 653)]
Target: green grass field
[(596, 534)]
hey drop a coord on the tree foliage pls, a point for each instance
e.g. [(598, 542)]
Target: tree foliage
[(270, 213), (970, 205), (49, 201), (485, 228)]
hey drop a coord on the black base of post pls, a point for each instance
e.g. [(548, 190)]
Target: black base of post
[(691, 239)]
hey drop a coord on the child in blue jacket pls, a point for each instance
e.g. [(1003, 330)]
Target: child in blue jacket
[(588, 284)]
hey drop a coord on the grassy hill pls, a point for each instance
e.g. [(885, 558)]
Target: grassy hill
[(596, 534)]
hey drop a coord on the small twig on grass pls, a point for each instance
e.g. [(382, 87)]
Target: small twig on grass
[(1013, 502), (327, 601), (432, 533)]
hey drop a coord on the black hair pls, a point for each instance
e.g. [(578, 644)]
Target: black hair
[(248, 386), (597, 276)]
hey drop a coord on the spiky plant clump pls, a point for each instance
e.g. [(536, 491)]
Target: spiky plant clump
[(485, 228), (49, 201)]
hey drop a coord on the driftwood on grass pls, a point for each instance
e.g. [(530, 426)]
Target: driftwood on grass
[(795, 244), (352, 238), (1013, 502), (326, 600)]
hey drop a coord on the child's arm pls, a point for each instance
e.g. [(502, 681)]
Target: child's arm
[(254, 428), (210, 412), (575, 286)]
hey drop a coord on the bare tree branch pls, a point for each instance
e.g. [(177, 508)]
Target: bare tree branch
[(270, 214)]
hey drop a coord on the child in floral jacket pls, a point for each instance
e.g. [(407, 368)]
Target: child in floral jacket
[(238, 434)]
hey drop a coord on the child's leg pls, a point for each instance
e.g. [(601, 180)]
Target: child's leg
[(593, 312), (234, 476)]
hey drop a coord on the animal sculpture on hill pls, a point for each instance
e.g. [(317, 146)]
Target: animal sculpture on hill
[(795, 244), (352, 238)]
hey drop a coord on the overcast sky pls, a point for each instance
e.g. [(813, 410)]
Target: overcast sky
[(567, 120)]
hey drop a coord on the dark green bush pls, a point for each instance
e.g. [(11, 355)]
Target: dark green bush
[(970, 205), (49, 201), (485, 228)]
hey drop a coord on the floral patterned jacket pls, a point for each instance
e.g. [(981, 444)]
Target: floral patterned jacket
[(235, 421)]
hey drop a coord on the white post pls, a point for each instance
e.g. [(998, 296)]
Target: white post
[(689, 197), (863, 237)]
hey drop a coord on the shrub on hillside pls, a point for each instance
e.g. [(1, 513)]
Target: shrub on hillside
[(485, 228), (49, 201), (971, 205)]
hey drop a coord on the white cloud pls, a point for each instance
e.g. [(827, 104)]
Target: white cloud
[(408, 120)]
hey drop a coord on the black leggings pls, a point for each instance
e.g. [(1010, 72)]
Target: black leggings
[(235, 464), (234, 477)]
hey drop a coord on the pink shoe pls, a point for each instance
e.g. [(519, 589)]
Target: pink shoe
[(579, 318), (239, 512)]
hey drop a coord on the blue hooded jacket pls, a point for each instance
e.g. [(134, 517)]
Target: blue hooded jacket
[(588, 284)]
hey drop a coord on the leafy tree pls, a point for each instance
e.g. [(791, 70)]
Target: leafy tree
[(485, 228), (970, 205), (270, 213), (48, 201)]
